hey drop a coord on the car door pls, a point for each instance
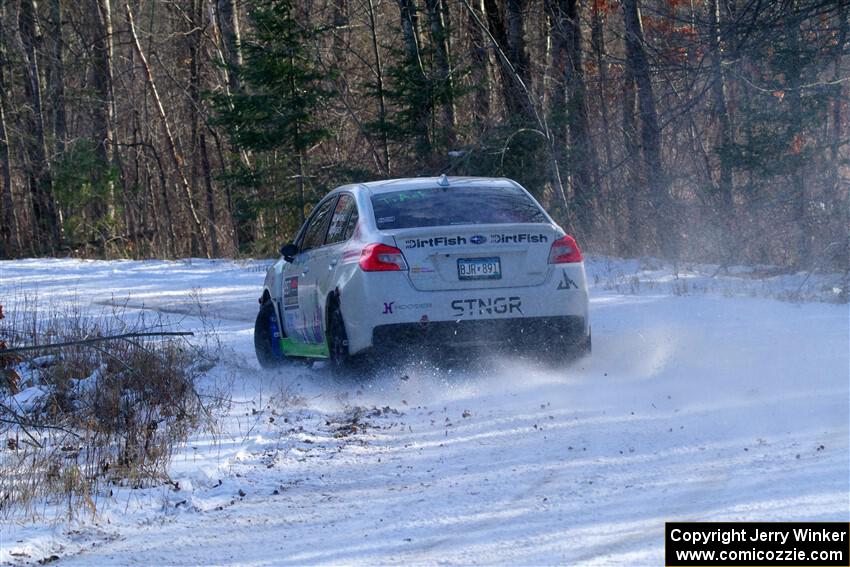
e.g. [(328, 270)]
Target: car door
[(302, 321), (341, 227)]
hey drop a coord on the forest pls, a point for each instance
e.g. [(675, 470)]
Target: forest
[(690, 130)]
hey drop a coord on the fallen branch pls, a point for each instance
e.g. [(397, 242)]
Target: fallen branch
[(97, 340)]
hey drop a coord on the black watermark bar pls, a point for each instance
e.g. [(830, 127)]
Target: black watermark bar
[(763, 544)]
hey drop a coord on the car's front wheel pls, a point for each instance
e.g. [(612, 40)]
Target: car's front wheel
[(267, 337)]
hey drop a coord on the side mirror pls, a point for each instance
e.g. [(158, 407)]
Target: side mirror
[(288, 251)]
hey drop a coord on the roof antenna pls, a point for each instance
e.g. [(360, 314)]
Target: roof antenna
[(443, 181)]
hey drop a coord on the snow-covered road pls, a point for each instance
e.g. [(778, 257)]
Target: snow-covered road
[(694, 406)]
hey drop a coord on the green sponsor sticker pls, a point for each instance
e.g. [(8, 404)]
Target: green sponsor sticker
[(291, 348)]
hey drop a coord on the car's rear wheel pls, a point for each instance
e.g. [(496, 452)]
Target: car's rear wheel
[(267, 337), (339, 358), (341, 361), (578, 349), (567, 351), (585, 346)]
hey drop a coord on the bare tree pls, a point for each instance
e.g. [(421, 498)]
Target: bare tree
[(506, 31), (103, 115), (115, 138), (566, 31), (46, 225), (412, 41), (10, 238), (650, 131), (440, 40), (480, 78), (199, 139), (228, 24), (56, 77), (169, 137), (379, 87), (725, 134)]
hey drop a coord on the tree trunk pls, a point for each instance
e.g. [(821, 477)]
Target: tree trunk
[(650, 132), (341, 23), (114, 152), (56, 84), (171, 250), (225, 20), (635, 244), (721, 109), (9, 229), (558, 96), (597, 39), (412, 42), (299, 186), (199, 139), (583, 159), (508, 31), (445, 90), (379, 85), (10, 237), (838, 89), (208, 185), (839, 212), (145, 209), (725, 214), (169, 138), (45, 219), (228, 24), (801, 197), (480, 68), (517, 53), (517, 106), (104, 118)]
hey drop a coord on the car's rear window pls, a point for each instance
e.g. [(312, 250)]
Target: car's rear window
[(454, 205)]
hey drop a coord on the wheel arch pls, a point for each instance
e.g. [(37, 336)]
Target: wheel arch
[(267, 297), (333, 299)]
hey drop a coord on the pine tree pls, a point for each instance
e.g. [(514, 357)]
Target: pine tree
[(275, 115)]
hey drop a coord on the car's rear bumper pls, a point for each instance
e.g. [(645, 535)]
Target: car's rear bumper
[(371, 301), (524, 333)]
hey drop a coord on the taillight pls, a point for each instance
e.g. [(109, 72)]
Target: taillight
[(381, 258), (565, 251)]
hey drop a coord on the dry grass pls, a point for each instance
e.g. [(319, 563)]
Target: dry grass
[(91, 416)]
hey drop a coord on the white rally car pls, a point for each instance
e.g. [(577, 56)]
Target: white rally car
[(460, 263)]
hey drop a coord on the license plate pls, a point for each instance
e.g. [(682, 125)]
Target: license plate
[(479, 269)]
